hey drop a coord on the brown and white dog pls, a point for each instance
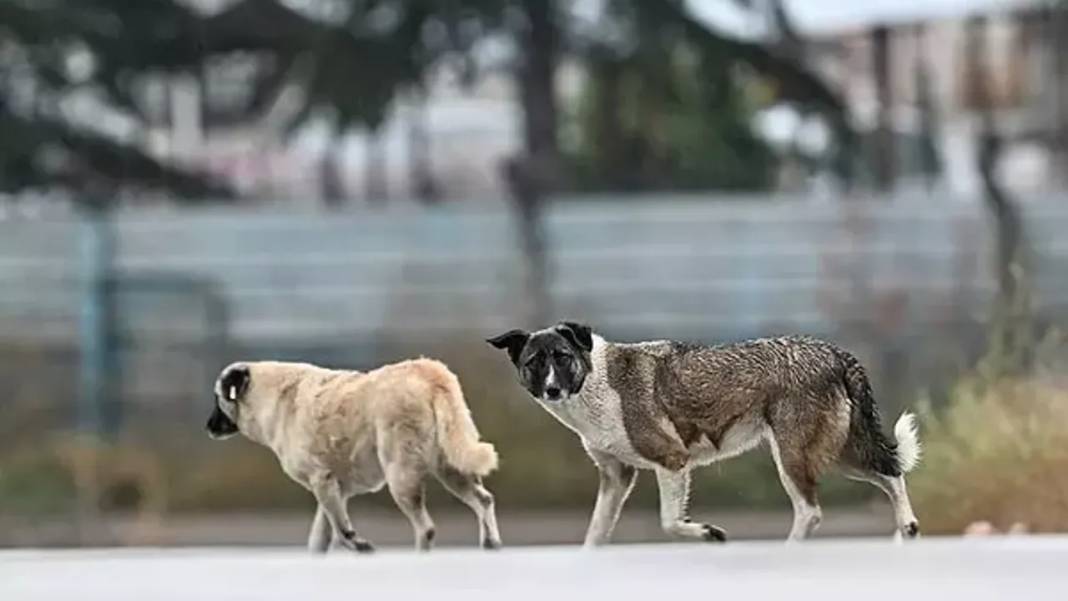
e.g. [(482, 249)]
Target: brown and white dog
[(671, 407), (344, 433)]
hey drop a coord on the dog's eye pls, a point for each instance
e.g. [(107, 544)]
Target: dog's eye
[(561, 357)]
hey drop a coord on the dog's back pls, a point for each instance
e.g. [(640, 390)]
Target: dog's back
[(800, 387), (414, 405)]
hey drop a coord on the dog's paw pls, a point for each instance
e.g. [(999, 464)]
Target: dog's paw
[(713, 534), (352, 542), (491, 545)]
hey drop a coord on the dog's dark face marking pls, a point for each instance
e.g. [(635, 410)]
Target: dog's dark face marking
[(231, 386), (552, 363)]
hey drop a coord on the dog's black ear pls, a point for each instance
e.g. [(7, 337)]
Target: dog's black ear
[(234, 382), (578, 334), (512, 341)]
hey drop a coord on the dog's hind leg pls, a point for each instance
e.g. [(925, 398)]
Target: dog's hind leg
[(674, 503), (409, 491), (328, 492), (800, 483), (469, 489), (894, 487), (320, 536)]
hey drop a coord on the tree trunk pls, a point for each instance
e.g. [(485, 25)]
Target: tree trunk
[(885, 152), (375, 184), (537, 78), (421, 173), (535, 171), (929, 158), (331, 182), (1057, 43), (1011, 335), (608, 125)]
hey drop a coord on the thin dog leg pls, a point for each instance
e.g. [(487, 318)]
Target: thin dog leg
[(328, 493), (674, 499), (894, 487), (409, 493), (469, 489), (319, 537), (616, 482), (802, 492)]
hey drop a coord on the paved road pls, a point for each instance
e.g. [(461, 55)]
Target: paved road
[(996, 568), (387, 527)]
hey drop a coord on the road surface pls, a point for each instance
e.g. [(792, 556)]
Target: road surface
[(388, 527), (942, 569)]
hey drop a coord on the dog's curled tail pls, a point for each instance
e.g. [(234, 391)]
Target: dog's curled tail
[(909, 449), (458, 437)]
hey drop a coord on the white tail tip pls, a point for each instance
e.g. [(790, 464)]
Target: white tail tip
[(909, 449)]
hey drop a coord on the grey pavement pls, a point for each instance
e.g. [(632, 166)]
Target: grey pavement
[(993, 568), (386, 526)]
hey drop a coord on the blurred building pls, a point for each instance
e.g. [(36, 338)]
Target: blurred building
[(902, 66), (911, 64)]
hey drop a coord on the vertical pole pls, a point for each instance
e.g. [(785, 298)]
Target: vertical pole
[(96, 255)]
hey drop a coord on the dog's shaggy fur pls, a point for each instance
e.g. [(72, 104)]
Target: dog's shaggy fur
[(671, 407), (344, 433)]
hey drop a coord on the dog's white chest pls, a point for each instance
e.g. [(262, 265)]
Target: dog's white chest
[(597, 417)]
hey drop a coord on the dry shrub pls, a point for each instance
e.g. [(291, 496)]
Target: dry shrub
[(997, 452)]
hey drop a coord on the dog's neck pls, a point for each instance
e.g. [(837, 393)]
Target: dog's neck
[(583, 412), (260, 419), (255, 423), (597, 378)]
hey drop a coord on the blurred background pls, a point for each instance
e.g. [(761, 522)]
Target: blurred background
[(184, 183)]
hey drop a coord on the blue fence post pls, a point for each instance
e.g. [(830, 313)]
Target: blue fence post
[(97, 249)]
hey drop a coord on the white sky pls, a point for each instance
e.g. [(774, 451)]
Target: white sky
[(822, 17)]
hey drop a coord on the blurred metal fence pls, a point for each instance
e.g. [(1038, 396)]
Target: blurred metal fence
[(905, 283)]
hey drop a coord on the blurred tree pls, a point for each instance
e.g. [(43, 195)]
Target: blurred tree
[(669, 101), (930, 159), (342, 59), (61, 53), (885, 147), (1012, 327), (344, 62)]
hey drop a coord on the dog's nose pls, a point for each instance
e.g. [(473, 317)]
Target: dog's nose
[(552, 393)]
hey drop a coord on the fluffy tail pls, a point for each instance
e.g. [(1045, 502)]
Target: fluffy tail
[(870, 448), (909, 449), (457, 435)]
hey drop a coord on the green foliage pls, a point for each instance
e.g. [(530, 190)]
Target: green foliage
[(680, 94), (642, 126), (667, 103), (349, 65), (61, 48)]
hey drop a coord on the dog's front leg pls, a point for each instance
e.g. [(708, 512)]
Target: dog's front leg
[(616, 482), (320, 536), (331, 502), (674, 502)]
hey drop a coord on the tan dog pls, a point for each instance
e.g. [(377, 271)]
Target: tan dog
[(344, 433)]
